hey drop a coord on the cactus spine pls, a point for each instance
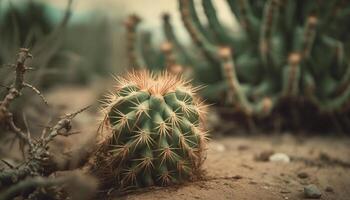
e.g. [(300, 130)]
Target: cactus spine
[(154, 132)]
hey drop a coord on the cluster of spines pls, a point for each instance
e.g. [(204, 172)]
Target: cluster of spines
[(155, 132)]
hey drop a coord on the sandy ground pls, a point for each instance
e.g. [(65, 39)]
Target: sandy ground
[(234, 167), (233, 171)]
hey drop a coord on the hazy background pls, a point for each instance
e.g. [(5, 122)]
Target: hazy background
[(115, 11)]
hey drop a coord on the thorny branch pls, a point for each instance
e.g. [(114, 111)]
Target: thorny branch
[(14, 92), (39, 163)]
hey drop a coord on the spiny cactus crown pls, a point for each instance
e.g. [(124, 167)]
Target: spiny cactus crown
[(155, 131)]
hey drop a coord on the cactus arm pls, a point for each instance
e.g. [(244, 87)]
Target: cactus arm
[(242, 9), (171, 37), (309, 35), (338, 104), (289, 8), (344, 83), (134, 61), (261, 107), (333, 97), (237, 90), (140, 51), (213, 91), (264, 88), (343, 69), (328, 11), (221, 33), (228, 71), (248, 68), (291, 76), (144, 49), (196, 21), (270, 16), (170, 59), (207, 49), (234, 8), (308, 84), (338, 49)]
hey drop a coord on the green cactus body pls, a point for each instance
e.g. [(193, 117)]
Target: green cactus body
[(285, 55), (154, 132)]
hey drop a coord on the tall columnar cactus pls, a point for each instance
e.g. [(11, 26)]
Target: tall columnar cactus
[(154, 134), (285, 51)]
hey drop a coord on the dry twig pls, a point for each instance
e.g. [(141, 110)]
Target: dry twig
[(39, 163)]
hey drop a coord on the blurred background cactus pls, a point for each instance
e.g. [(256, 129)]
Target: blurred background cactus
[(288, 61), (63, 55), (154, 133), (30, 24)]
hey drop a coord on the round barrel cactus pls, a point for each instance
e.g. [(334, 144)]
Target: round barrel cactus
[(153, 132)]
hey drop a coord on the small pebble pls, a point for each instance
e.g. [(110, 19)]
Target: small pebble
[(253, 182), (329, 189), (284, 192), (279, 157), (311, 191), (237, 177), (303, 175), (243, 147), (266, 187), (220, 148), (286, 181), (264, 156)]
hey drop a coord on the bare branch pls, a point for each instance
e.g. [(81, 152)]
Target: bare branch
[(39, 156), (20, 134), (35, 182), (7, 163), (28, 131), (36, 91), (5, 86), (63, 126), (14, 92)]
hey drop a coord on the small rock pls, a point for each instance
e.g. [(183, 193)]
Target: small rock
[(279, 157), (329, 189), (237, 177), (284, 192), (243, 147), (253, 182), (247, 166), (220, 148), (311, 191), (264, 156), (303, 175)]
